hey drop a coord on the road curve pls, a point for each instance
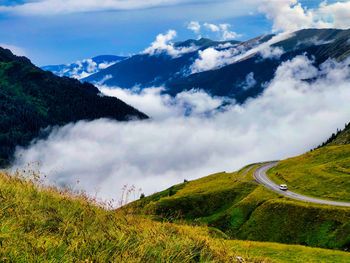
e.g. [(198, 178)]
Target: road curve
[(261, 178)]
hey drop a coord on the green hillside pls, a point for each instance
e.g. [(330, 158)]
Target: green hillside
[(323, 173), (41, 224), (243, 209), (32, 99), (342, 137)]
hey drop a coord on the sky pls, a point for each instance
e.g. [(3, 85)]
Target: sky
[(63, 31)]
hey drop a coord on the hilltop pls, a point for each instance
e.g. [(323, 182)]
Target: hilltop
[(32, 99)]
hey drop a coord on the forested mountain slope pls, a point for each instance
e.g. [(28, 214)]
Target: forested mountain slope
[(32, 99)]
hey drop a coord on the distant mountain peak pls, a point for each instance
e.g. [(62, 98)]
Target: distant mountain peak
[(203, 43), (84, 68)]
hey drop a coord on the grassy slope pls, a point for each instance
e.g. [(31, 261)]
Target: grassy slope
[(288, 253), (343, 137), (45, 225), (323, 173), (40, 224), (242, 209)]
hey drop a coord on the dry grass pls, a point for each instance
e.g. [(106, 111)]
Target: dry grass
[(46, 224)]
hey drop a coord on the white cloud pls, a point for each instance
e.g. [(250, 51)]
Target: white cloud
[(194, 26), (162, 106), (162, 45), (249, 81), (57, 7), (212, 27), (226, 33), (14, 49), (226, 45), (83, 68), (290, 15), (271, 52), (337, 12), (105, 65), (314, 41), (103, 80), (212, 58), (287, 15), (291, 117), (223, 29)]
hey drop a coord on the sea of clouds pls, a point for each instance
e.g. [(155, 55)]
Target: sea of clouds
[(189, 137)]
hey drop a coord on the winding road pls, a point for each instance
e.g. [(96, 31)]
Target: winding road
[(261, 178)]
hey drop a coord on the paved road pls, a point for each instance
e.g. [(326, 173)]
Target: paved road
[(260, 176)]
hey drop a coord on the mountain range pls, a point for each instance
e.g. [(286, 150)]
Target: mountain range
[(234, 69), (32, 99), (84, 68)]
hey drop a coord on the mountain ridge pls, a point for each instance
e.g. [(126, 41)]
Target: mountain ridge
[(84, 68), (146, 70), (32, 99), (174, 73)]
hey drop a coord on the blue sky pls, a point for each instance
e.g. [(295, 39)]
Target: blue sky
[(66, 37)]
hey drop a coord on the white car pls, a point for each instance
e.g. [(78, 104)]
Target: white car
[(283, 187)]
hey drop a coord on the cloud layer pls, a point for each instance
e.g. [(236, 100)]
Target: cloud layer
[(291, 117), (57, 7), (162, 44), (287, 15), (162, 106), (290, 15), (222, 30), (213, 58)]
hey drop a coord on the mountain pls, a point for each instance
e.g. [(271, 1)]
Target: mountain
[(243, 72), (147, 70), (230, 80), (342, 137), (32, 99), (84, 68), (204, 43)]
